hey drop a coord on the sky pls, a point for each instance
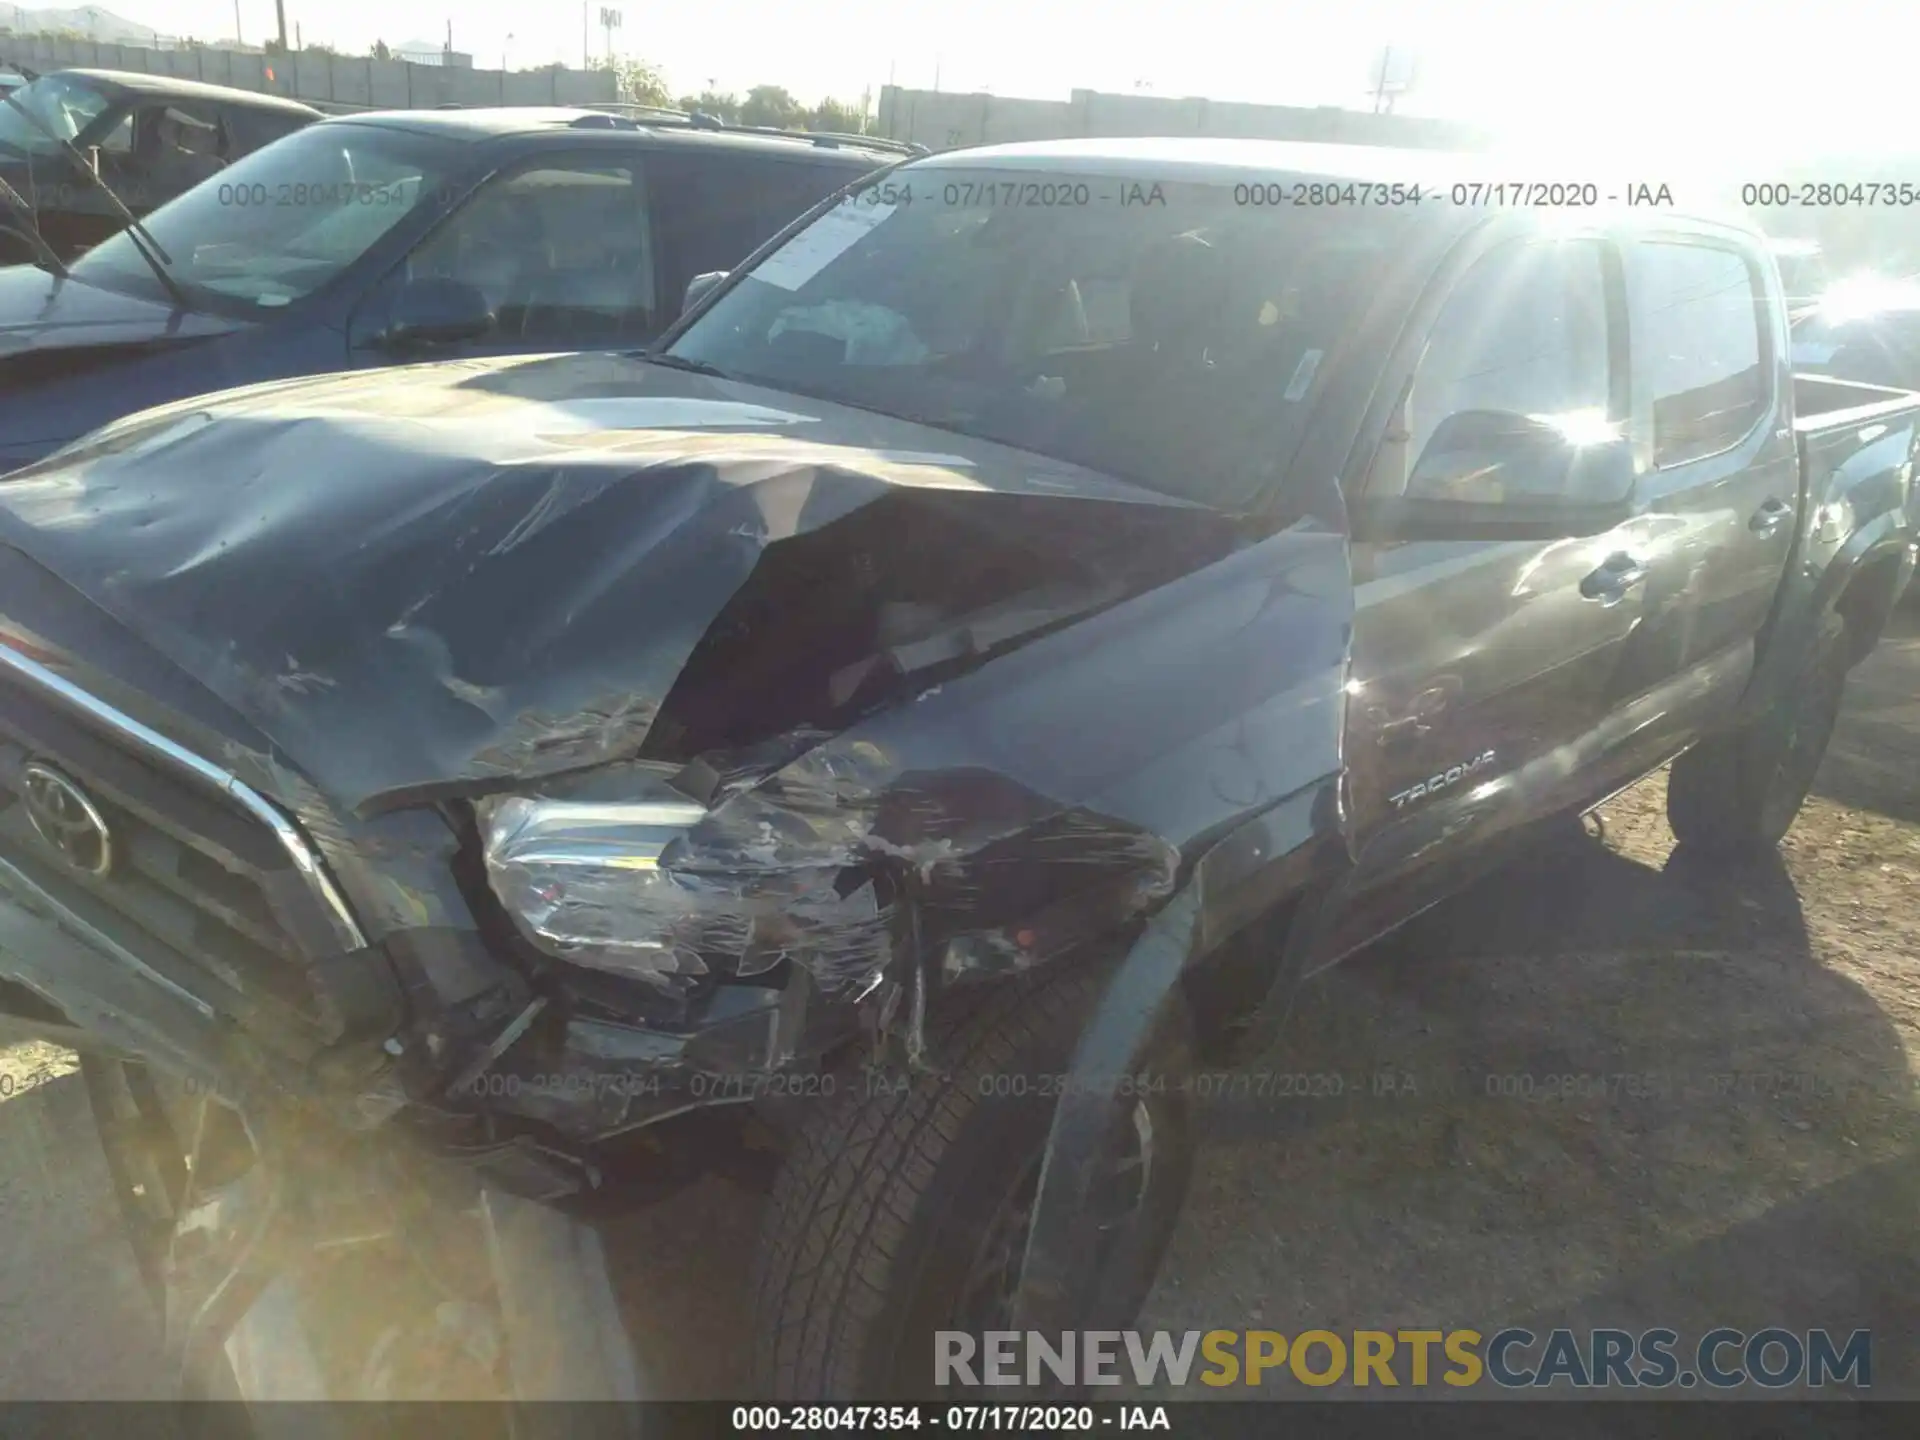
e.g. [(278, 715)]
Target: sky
[(1675, 81)]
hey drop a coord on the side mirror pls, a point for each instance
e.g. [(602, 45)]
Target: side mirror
[(1491, 475), (436, 312), (700, 287)]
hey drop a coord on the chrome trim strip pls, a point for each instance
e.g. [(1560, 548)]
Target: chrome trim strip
[(291, 840)]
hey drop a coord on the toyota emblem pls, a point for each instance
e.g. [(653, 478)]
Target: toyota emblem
[(67, 819)]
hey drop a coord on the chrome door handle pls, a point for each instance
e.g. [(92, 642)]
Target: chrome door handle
[(1609, 584), (1768, 519)]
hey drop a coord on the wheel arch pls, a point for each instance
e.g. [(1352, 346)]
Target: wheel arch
[(1869, 592), (1270, 880)]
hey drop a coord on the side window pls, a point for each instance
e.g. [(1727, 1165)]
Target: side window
[(1518, 353), (1697, 341), (786, 191), (562, 251), (119, 140), (161, 149), (248, 130), (716, 207), (193, 140)]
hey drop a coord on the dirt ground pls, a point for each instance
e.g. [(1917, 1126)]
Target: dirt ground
[(1622, 1094)]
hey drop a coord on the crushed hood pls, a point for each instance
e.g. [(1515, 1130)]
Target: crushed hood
[(442, 576)]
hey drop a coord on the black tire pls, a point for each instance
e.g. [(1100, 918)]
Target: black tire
[(896, 1194), (1736, 795)]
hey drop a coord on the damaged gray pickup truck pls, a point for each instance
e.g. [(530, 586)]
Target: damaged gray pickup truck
[(880, 743)]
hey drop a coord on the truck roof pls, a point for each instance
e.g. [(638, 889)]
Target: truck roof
[(183, 89), (493, 121)]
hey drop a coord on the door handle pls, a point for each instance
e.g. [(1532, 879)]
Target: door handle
[(1417, 721), (1403, 731), (1619, 573), (1768, 519)]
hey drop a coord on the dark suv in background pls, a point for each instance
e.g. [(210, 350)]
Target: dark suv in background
[(402, 236), (152, 137)]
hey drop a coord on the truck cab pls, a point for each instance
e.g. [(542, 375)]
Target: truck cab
[(1044, 603)]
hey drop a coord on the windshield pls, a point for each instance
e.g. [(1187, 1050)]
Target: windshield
[(276, 226), (1169, 334), (65, 104)]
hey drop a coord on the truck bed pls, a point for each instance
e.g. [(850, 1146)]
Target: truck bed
[(1822, 403), (1857, 448)]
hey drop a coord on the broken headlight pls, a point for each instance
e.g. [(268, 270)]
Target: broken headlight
[(629, 876)]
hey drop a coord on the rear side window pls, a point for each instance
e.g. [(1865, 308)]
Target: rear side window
[(717, 207), (787, 191), (248, 130), (1698, 347)]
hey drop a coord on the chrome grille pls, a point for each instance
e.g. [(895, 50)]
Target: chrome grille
[(209, 885)]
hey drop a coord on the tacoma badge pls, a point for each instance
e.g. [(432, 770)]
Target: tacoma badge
[(1433, 784)]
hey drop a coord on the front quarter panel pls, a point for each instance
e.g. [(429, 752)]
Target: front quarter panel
[(1120, 749)]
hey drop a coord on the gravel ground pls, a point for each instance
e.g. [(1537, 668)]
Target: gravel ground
[(1761, 1168)]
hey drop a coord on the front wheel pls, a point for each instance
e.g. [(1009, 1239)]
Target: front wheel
[(904, 1204), (1737, 794)]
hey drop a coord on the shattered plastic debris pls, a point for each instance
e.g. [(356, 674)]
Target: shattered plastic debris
[(800, 868)]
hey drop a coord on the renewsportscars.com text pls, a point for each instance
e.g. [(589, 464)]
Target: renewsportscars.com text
[(1513, 1358)]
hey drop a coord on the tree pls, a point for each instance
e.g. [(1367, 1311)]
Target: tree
[(380, 50), (640, 82), (772, 105), (722, 105), (838, 115)]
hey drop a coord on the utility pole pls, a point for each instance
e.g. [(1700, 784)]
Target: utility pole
[(280, 10), (238, 38), (586, 61)]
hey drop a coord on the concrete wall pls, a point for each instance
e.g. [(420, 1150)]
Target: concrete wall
[(944, 121), (317, 77)]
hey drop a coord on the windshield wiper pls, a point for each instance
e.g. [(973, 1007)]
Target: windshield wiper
[(681, 362), (48, 259), (136, 232)]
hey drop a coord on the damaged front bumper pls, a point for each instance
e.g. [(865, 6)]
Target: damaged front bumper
[(261, 1298)]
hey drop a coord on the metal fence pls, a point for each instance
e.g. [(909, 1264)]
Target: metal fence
[(942, 120)]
